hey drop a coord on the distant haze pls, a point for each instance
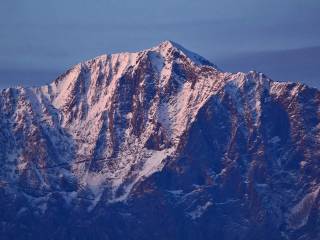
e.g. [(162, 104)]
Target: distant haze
[(41, 39)]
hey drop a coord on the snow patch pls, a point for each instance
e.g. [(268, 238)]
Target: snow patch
[(200, 210), (300, 213), (152, 163), (275, 140)]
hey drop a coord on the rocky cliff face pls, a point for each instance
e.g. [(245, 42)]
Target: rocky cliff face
[(159, 144)]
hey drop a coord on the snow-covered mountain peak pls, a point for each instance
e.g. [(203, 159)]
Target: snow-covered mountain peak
[(163, 58), (161, 126), (132, 108), (169, 44), (173, 49)]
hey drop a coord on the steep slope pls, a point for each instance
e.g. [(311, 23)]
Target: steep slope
[(159, 144)]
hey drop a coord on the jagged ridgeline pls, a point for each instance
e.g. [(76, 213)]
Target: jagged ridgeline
[(159, 144)]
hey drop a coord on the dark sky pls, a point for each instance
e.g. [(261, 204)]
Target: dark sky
[(41, 39)]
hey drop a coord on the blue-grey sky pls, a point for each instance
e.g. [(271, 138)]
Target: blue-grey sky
[(41, 39)]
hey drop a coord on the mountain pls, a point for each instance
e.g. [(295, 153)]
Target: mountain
[(160, 144), (295, 64)]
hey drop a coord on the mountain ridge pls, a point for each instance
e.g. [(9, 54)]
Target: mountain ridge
[(228, 154)]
